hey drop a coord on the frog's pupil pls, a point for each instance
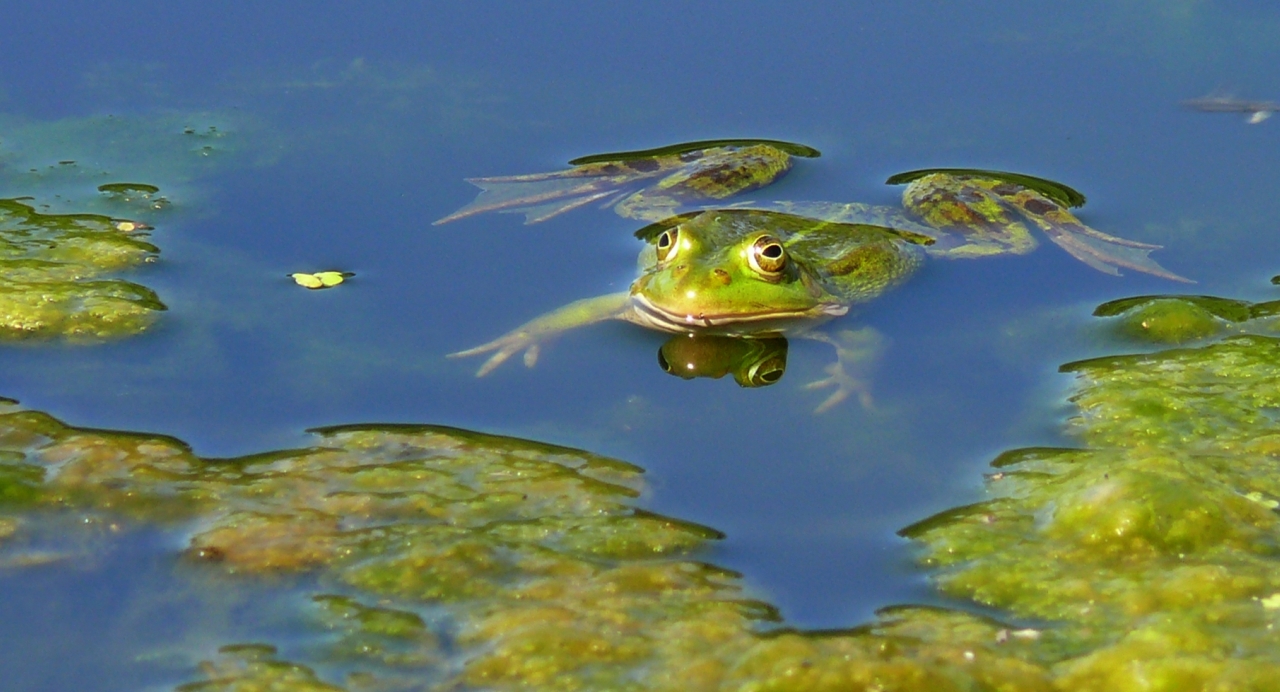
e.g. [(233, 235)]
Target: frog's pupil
[(666, 243), (772, 251), (662, 362)]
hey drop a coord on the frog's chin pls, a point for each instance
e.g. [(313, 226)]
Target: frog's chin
[(649, 314)]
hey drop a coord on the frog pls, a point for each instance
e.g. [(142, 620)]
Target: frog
[(767, 270)]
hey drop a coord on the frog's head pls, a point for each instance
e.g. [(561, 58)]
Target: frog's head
[(722, 271)]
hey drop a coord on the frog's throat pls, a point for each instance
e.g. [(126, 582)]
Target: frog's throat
[(647, 314)]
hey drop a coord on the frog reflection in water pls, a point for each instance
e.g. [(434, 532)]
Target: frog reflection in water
[(757, 362), (765, 270)]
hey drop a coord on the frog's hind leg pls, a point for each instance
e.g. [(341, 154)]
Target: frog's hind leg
[(992, 210), (1104, 252), (540, 196)]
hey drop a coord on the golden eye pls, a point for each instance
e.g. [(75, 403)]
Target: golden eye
[(767, 255), (667, 243)]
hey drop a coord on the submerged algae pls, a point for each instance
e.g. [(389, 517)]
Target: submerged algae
[(92, 217), (1145, 560), (479, 561)]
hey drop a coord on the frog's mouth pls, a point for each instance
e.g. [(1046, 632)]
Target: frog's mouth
[(647, 314)]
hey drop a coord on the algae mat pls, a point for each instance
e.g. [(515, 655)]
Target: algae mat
[(446, 559)]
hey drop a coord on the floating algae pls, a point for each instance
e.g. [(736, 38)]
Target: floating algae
[(74, 212), (443, 559), (52, 281), (1178, 319), (1152, 551), (533, 561)]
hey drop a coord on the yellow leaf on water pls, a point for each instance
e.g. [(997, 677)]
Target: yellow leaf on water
[(307, 280), (325, 279), (332, 278)]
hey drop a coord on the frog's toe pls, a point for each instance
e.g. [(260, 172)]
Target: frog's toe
[(492, 364), (531, 355), (503, 349), (844, 386), (835, 399)]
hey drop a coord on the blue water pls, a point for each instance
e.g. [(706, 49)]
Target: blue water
[(354, 127)]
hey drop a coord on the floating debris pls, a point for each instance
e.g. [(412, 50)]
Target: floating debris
[(327, 279), (1256, 110)]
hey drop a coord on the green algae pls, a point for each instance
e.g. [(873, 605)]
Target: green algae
[(54, 268), (74, 213), (1178, 319), (1152, 549), (536, 563), (60, 160), (1144, 559), (255, 668)]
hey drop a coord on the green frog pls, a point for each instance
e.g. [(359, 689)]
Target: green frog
[(766, 270)]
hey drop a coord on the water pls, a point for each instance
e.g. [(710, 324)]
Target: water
[(354, 129)]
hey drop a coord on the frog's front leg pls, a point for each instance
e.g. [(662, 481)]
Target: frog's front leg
[(530, 335), (856, 349)]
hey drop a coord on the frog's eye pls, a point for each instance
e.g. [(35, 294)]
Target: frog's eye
[(767, 255), (666, 243)]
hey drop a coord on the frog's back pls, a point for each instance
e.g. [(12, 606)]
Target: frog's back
[(855, 262)]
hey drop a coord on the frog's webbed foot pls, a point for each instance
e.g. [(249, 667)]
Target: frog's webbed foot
[(503, 348), (1104, 252), (856, 350), (844, 386), (651, 184), (529, 336), (541, 196)]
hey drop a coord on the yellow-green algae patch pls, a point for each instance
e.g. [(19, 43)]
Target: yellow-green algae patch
[(533, 563), (1178, 319), (75, 210), (1146, 559), (1152, 551), (53, 271)]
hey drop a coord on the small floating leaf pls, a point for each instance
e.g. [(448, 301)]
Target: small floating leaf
[(1054, 190), (307, 280), (325, 279), (332, 278)]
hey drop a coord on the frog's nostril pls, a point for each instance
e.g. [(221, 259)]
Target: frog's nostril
[(722, 276)]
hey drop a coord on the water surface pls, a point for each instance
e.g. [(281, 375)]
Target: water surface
[(348, 130)]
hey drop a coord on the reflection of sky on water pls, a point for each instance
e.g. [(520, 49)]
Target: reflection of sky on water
[(355, 129)]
